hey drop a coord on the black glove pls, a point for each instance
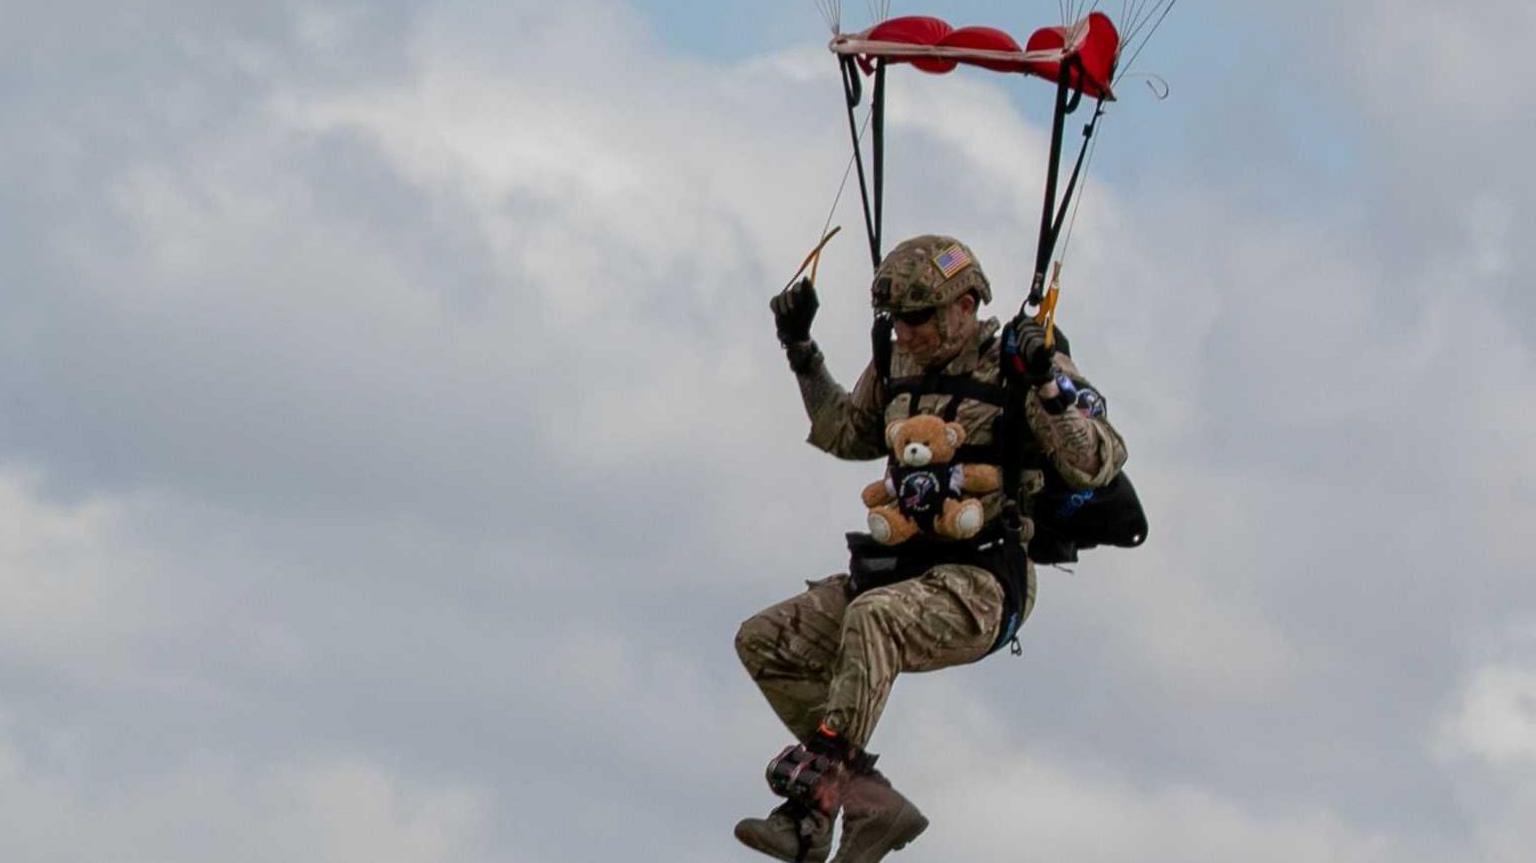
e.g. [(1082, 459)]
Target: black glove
[(1025, 355), (793, 311)]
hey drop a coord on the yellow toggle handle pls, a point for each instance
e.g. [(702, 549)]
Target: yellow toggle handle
[(813, 260), (1046, 316)]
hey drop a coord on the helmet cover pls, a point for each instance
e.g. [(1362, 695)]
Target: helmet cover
[(927, 272)]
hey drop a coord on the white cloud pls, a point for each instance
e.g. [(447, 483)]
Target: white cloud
[(1486, 740), (75, 592), (450, 391), (990, 797), (1495, 720), (317, 812)]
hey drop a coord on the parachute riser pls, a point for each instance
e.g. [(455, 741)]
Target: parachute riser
[(1067, 101), (877, 147), (873, 204), (1053, 167), (1066, 196), (1047, 311)]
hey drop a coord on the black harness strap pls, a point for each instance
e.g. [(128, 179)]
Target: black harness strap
[(961, 386), (979, 453), (872, 565), (958, 388)]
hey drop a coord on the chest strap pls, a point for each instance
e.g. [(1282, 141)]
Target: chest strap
[(961, 386)]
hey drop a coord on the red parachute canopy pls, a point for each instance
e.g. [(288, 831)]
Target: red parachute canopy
[(933, 46)]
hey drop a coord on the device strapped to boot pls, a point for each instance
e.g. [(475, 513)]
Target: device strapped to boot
[(814, 772)]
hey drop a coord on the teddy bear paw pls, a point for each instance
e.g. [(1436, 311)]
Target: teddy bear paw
[(879, 528), (969, 520)]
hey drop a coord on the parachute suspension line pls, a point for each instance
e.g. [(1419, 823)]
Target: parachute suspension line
[(1093, 145), (1141, 13), (836, 199), (832, 13), (1077, 169), (1161, 8), (1073, 11), (852, 93), (1133, 13), (1127, 11), (813, 260), (1131, 22), (1130, 17), (1047, 313)]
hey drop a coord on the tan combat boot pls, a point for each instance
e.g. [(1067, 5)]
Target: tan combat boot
[(793, 832), (876, 820)]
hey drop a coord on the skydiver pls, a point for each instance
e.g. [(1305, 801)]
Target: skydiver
[(826, 659)]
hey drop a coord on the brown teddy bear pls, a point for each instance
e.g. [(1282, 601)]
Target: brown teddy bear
[(922, 490)]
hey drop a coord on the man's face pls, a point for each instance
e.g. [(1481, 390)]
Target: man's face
[(918, 335)]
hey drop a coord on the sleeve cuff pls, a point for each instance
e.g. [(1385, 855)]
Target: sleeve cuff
[(803, 356)]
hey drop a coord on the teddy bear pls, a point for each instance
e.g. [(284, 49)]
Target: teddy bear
[(922, 489)]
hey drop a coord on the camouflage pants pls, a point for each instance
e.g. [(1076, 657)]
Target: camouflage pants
[(819, 657)]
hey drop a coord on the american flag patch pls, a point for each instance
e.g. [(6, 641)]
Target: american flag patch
[(952, 260)]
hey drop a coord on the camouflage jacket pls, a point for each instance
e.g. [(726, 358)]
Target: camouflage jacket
[(1079, 442)]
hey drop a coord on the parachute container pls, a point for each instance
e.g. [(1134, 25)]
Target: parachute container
[(932, 45)]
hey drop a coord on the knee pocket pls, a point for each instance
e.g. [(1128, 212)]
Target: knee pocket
[(876, 607), (752, 637)]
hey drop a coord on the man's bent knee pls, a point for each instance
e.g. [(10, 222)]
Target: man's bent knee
[(754, 638), (875, 609)]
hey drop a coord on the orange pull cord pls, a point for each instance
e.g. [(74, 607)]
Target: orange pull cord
[(1046, 316), (813, 260)]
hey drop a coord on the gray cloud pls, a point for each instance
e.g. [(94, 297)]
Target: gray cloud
[(392, 437)]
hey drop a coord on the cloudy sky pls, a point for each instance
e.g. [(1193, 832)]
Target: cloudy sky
[(392, 432)]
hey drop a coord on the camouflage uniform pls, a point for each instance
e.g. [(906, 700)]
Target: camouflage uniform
[(827, 657), (819, 656)]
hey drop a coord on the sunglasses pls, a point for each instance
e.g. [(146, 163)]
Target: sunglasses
[(915, 318)]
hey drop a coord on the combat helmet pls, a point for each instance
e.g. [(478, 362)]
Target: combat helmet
[(927, 272)]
